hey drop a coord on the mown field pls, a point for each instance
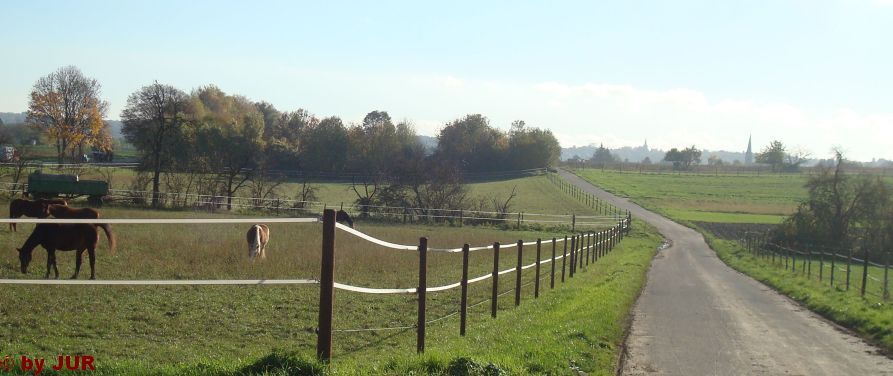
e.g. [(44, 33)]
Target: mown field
[(707, 198), (171, 329)]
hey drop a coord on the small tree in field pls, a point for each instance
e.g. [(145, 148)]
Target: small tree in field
[(65, 105)]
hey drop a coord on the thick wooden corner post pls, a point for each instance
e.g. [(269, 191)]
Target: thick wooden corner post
[(326, 287)]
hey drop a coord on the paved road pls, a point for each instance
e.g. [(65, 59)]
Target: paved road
[(697, 316)]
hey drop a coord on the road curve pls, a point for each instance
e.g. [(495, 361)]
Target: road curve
[(697, 316)]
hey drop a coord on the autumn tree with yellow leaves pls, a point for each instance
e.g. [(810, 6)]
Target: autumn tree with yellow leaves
[(65, 105)]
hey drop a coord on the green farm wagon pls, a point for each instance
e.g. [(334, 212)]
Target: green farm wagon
[(42, 185)]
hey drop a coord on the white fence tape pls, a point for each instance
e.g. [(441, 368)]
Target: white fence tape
[(405, 247), (161, 221), (159, 282)]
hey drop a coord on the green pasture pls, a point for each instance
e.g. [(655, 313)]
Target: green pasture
[(223, 328), (707, 198)]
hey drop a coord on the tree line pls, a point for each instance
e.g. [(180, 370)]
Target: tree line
[(240, 141)]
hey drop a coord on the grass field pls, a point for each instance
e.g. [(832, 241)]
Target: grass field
[(723, 198), (227, 327)]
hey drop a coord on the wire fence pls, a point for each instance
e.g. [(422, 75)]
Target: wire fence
[(579, 249), (842, 270)]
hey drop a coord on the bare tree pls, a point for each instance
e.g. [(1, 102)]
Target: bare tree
[(305, 194), (66, 106), (502, 206), (365, 198), (151, 118)]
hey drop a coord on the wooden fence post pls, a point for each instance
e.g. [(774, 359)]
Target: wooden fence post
[(573, 221), (809, 263), (495, 295), (461, 217), (864, 272), (833, 256), (536, 285), (580, 255), (849, 266), (564, 259), (572, 265), (821, 264), (518, 274), (463, 310), (886, 277), (552, 276), (423, 286), (326, 287), (588, 242), (519, 220)]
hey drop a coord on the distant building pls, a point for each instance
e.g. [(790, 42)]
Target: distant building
[(748, 155)]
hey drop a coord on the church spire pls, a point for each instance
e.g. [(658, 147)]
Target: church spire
[(748, 155)]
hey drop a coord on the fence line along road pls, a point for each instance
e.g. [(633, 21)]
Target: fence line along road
[(597, 244)]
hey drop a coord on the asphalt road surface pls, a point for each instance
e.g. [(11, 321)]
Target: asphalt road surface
[(698, 316)]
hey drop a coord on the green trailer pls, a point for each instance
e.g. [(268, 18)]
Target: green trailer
[(42, 185)]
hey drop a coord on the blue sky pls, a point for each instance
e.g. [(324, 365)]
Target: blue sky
[(814, 74)]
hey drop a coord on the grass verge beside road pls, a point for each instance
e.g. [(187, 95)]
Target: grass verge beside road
[(871, 319)]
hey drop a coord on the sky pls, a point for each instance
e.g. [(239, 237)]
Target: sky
[(813, 74)]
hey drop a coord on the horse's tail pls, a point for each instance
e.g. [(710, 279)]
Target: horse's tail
[(109, 235)]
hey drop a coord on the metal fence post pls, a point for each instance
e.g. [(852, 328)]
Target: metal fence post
[(326, 287), (423, 286), (463, 310)]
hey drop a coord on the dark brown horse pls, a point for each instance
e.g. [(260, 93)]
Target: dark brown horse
[(78, 237), (37, 208), (60, 211), (343, 217)]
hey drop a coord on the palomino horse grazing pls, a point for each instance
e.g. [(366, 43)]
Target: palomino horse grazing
[(78, 237), (258, 236), (60, 211), (343, 217), (37, 208)]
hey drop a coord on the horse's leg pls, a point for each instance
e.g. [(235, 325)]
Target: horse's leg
[(51, 263), (77, 263), (92, 253)]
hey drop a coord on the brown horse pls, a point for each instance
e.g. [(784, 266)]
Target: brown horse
[(37, 208), (60, 211), (78, 237)]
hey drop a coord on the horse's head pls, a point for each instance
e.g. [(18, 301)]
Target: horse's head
[(24, 258)]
